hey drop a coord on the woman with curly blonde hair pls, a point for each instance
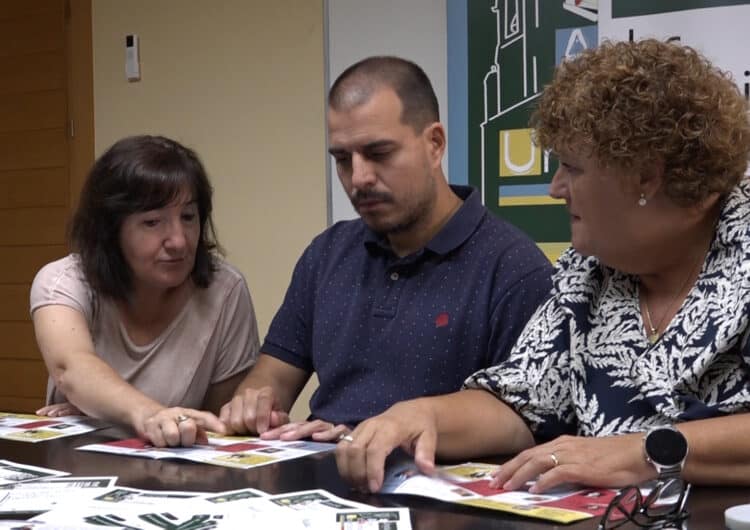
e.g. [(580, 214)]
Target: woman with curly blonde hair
[(645, 333)]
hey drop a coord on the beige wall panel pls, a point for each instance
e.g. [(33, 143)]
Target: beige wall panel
[(26, 379), (301, 409), (33, 149), (32, 33), (243, 84), (33, 110), (33, 226), (29, 73), (20, 264), (18, 341), (33, 187)]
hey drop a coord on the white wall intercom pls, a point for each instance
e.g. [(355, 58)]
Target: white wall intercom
[(132, 58)]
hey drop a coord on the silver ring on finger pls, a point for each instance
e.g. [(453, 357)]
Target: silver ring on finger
[(555, 461), (345, 437), (179, 419)]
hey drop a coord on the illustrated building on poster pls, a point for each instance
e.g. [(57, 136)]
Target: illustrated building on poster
[(531, 37)]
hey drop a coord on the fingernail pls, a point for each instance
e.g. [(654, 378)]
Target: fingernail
[(374, 487)]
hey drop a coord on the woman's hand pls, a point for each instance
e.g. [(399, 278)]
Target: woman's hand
[(361, 455), (612, 461), (59, 409), (177, 426)]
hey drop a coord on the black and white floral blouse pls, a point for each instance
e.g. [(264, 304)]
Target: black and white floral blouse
[(583, 365)]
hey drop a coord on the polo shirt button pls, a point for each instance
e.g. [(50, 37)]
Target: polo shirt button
[(394, 276)]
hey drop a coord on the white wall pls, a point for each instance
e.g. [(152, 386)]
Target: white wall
[(717, 32), (413, 29)]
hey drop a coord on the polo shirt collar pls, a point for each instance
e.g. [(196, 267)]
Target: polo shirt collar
[(457, 230)]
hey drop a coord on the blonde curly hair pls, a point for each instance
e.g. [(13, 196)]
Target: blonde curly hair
[(633, 103)]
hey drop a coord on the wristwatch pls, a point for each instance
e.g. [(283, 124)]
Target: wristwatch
[(665, 448)]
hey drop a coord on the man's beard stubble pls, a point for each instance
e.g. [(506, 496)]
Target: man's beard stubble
[(416, 214)]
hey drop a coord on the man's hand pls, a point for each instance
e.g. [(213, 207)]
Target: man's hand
[(612, 461), (59, 409), (361, 456), (318, 430), (253, 411), (178, 426)]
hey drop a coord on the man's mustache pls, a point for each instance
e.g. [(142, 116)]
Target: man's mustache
[(370, 195)]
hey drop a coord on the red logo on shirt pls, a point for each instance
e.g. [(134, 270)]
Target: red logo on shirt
[(441, 320)]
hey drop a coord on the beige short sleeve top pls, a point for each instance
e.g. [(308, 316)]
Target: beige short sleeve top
[(213, 338)]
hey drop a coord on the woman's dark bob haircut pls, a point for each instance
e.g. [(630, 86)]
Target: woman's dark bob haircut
[(137, 174)]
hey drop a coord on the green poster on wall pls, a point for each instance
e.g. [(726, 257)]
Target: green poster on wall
[(514, 46)]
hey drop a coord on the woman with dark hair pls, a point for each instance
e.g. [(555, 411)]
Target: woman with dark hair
[(144, 324)]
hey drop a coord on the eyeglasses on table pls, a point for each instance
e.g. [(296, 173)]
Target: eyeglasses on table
[(662, 508)]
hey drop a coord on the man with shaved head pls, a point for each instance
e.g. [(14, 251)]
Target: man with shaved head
[(421, 291)]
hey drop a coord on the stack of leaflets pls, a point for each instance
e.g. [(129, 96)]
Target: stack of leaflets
[(247, 508), (242, 452), (92, 502), (32, 428)]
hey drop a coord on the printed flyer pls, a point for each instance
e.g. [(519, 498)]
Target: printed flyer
[(242, 452), (13, 472), (469, 484), (32, 428), (43, 495)]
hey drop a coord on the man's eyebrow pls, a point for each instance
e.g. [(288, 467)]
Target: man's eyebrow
[(336, 151), (378, 144)]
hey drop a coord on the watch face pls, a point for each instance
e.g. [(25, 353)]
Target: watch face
[(666, 447)]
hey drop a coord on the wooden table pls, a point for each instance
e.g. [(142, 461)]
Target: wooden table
[(706, 504)]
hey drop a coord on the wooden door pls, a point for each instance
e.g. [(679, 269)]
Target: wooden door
[(46, 143)]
